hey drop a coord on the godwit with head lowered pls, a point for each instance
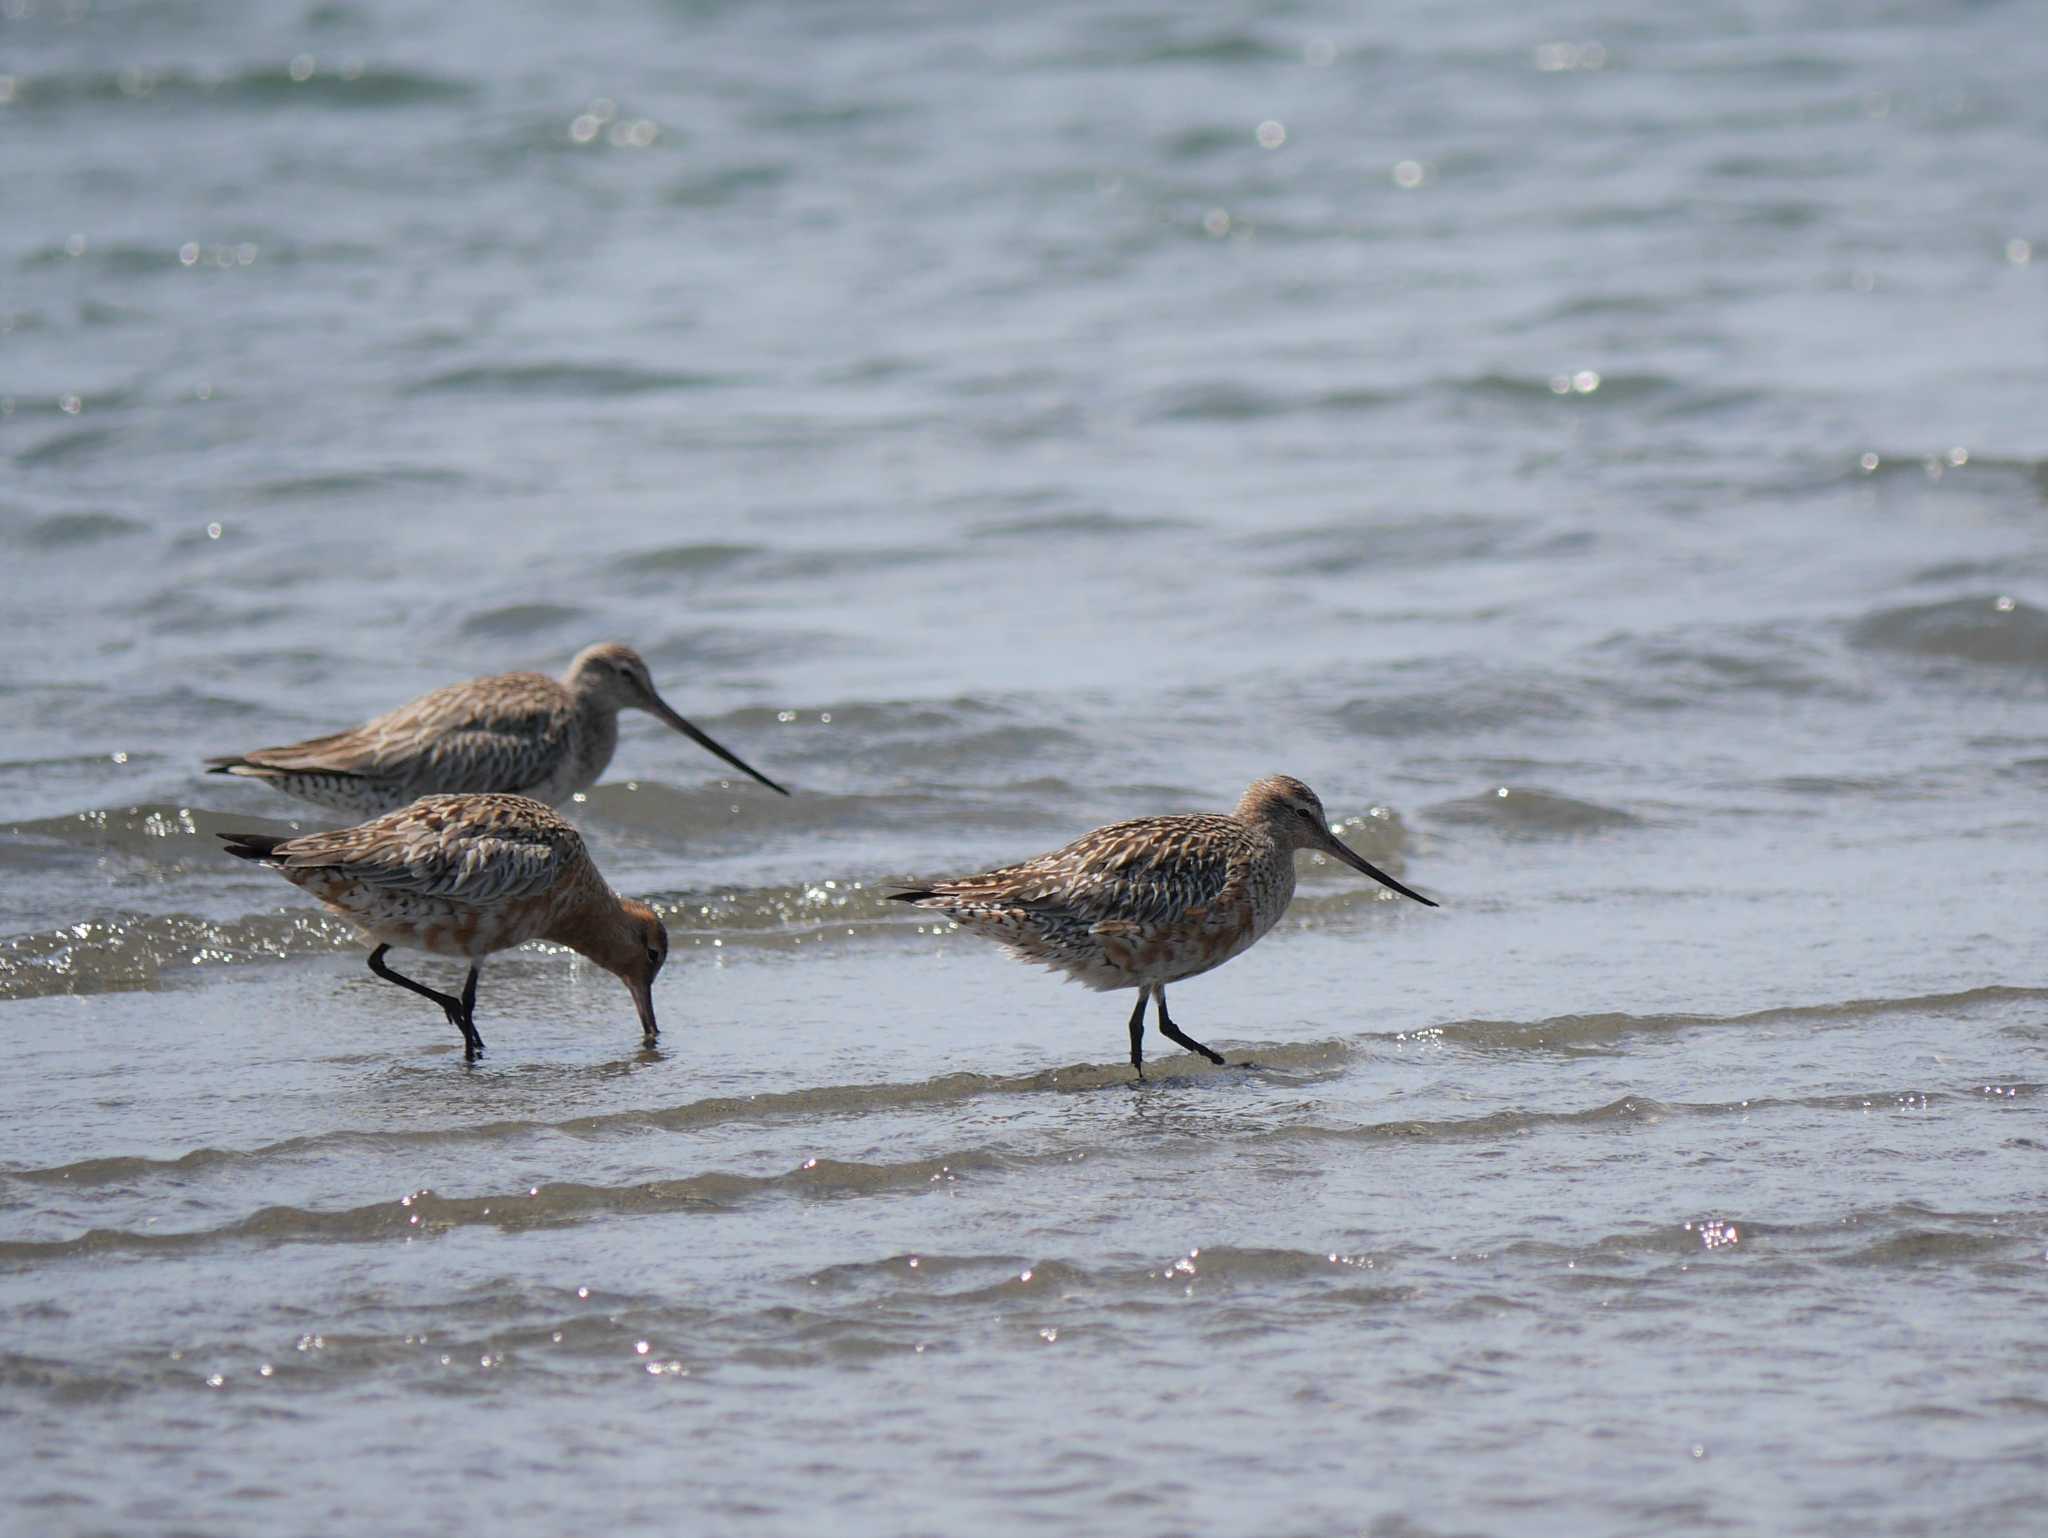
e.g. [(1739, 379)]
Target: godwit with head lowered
[(466, 876), (1144, 903), (518, 733)]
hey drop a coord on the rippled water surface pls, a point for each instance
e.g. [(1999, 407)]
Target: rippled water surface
[(1601, 450)]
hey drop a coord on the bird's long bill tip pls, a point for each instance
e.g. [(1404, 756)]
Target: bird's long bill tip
[(661, 711), (1359, 862), (643, 1001)]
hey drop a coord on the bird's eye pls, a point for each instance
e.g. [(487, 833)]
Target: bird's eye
[(654, 957), (1305, 812)]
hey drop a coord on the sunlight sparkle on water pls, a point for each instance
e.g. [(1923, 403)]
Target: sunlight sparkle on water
[(1552, 58), (1584, 382)]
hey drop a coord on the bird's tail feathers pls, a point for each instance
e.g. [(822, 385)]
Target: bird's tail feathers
[(252, 846)]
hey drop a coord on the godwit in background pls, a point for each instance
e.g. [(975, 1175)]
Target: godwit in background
[(1144, 903), (516, 733), (465, 876)]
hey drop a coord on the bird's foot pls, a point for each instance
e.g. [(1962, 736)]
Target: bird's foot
[(472, 1042)]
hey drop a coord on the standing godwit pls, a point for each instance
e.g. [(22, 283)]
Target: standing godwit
[(516, 733), (1144, 903), (466, 876)]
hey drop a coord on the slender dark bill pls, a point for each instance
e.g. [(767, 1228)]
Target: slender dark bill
[(659, 708), (1359, 862), (643, 1000)]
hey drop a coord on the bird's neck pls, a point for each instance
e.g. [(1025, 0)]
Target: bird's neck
[(593, 924)]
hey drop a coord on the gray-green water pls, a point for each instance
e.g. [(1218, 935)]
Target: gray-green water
[(986, 426)]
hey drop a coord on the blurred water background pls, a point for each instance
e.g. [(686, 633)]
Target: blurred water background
[(1600, 447)]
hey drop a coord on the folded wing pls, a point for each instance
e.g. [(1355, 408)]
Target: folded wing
[(464, 848)]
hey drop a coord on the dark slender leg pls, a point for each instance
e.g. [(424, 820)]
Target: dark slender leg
[(457, 1010), (472, 1038), (1138, 1035), (1174, 1033)]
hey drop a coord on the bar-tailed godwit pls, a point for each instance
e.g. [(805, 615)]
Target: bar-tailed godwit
[(465, 876), (517, 733), (1144, 903)]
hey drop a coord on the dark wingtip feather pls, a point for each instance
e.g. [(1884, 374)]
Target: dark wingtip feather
[(222, 765), (250, 846), (909, 897)]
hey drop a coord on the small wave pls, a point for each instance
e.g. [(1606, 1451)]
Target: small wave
[(1355, 546), (1460, 706), (1090, 523), (61, 448), (1628, 1112), (1201, 141), (60, 531), (1533, 813), (124, 258), (1591, 306), (523, 620), (132, 953), (1306, 1059), (921, 1281), (1924, 1247), (1236, 401), (560, 379), (686, 559), (714, 188), (425, 1213), (1993, 628), (1837, 785), (364, 87), (1573, 389), (833, 117), (1144, 47), (150, 831), (346, 483), (1678, 670), (1578, 1032)]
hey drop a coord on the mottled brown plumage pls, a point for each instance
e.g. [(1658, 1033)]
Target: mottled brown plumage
[(512, 733), (1151, 901), (466, 876)]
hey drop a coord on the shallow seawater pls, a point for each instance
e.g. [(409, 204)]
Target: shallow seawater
[(1600, 451)]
